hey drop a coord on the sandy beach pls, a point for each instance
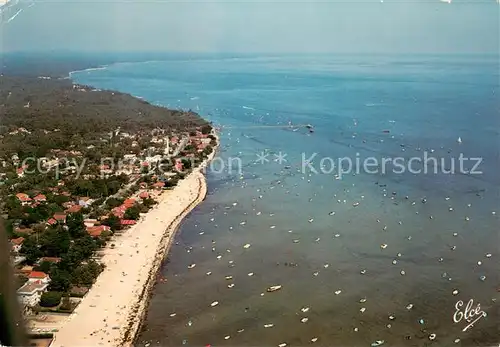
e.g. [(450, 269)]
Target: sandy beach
[(112, 311)]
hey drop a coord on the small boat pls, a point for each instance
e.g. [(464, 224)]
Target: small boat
[(386, 131), (309, 126), (273, 288), (459, 140)]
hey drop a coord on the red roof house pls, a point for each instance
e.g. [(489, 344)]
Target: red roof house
[(74, 209), (97, 230), (60, 217), (201, 146), (144, 195), (129, 202), (127, 222), (49, 259), (119, 211), (19, 241), (23, 197), (17, 244), (40, 197), (51, 221), (37, 275), (159, 185), (178, 165)]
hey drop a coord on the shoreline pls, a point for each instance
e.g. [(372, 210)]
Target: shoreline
[(132, 332), (139, 311), (101, 321)]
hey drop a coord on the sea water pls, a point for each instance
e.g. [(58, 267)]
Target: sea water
[(318, 232)]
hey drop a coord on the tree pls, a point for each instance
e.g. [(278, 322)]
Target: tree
[(45, 266), (74, 221), (113, 222), (208, 150), (132, 213), (186, 164), (206, 129), (148, 202), (55, 242), (60, 281), (86, 274), (50, 299), (114, 202), (66, 303), (31, 250), (85, 245)]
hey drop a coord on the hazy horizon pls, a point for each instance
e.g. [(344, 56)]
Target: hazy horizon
[(242, 27)]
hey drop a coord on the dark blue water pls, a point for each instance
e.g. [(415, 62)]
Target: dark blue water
[(437, 227)]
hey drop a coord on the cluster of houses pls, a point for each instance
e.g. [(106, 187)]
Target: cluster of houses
[(30, 293), (38, 282)]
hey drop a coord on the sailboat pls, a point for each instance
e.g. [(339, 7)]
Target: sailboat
[(459, 140)]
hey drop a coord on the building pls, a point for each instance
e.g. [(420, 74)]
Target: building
[(60, 217), (20, 172), (31, 292), (126, 222), (17, 244), (97, 230), (38, 276), (85, 201), (89, 222), (53, 260), (74, 209), (40, 198), (119, 211), (129, 202), (178, 165), (23, 198), (159, 185)]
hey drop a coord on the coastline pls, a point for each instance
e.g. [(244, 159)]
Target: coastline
[(111, 314)]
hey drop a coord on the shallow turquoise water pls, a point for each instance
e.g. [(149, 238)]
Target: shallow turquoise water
[(426, 103)]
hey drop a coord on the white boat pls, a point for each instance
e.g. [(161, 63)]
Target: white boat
[(273, 288), (459, 140)]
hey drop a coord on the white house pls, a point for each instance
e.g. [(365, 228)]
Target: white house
[(31, 292)]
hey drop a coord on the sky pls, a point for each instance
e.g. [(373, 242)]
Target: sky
[(259, 26)]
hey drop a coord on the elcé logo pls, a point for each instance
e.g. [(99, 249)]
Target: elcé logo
[(470, 315)]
